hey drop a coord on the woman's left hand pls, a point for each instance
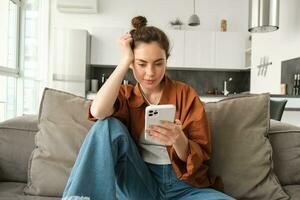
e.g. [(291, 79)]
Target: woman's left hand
[(168, 133)]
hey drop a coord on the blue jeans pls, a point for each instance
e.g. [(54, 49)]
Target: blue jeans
[(110, 167)]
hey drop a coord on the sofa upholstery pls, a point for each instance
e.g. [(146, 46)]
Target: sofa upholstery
[(16, 145), (17, 142)]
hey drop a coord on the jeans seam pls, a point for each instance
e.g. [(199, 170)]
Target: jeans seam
[(153, 195)]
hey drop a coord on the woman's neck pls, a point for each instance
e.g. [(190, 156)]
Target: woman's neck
[(152, 96)]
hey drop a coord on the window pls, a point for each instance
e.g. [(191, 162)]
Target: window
[(24, 27), (9, 68), (7, 97), (34, 60)]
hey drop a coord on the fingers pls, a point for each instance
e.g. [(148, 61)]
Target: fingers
[(171, 125), (126, 36), (125, 39), (165, 139), (125, 47), (167, 132), (160, 129)]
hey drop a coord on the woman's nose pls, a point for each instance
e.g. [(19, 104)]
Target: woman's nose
[(149, 71)]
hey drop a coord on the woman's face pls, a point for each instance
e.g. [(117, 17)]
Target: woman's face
[(149, 65)]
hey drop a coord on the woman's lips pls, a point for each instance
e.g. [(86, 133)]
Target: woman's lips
[(149, 82)]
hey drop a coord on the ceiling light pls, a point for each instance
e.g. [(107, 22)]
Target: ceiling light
[(263, 16), (194, 19)]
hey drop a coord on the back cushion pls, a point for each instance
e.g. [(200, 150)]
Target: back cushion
[(285, 140), (241, 152), (16, 145), (63, 125)]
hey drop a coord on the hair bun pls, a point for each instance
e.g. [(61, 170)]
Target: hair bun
[(139, 22)]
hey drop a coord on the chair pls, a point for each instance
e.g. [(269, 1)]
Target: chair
[(277, 108)]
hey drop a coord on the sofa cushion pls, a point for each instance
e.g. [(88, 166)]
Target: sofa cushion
[(285, 140), (63, 124), (16, 145), (241, 152), (14, 191), (293, 191)]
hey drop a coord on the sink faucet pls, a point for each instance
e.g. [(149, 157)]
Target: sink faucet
[(226, 92)]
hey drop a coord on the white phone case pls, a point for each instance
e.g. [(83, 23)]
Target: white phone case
[(155, 113)]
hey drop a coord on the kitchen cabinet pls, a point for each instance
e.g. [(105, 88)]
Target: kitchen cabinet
[(188, 48), (199, 49), (230, 49), (104, 47), (176, 38), (207, 49)]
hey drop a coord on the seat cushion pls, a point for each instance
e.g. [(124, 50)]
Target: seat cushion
[(14, 191), (285, 141), (241, 151), (293, 191), (16, 145), (63, 125)]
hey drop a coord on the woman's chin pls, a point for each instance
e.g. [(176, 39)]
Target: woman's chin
[(149, 86)]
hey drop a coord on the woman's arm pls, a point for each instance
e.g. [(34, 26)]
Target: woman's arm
[(103, 105)]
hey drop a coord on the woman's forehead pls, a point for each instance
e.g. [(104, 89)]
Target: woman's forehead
[(146, 51)]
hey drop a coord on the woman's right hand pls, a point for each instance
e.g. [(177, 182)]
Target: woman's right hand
[(125, 46)]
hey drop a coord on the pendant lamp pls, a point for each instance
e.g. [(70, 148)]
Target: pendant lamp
[(263, 16), (194, 19)]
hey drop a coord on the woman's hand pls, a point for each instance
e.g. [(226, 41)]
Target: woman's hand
[(171, 134), (125, 46), (167, 133)]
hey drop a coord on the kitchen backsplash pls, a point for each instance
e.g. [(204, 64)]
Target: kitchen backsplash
[(288, 70), (204, 81)]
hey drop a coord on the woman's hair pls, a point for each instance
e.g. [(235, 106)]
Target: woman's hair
[(147, 34)]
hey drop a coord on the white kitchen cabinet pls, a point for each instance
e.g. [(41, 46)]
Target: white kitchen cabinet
[(188, 48), (230, 50), (199, 49), (176, 38), (104, 47)]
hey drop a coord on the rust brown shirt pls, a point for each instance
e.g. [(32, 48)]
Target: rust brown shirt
[(130, 109)]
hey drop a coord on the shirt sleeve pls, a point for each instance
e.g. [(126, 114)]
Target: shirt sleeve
[(121, 110), (196, 128), (121, 107)]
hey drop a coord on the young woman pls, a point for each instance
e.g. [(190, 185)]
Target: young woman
[(115, 160)]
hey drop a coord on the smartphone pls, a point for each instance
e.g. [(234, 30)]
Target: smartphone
[(154, 114)]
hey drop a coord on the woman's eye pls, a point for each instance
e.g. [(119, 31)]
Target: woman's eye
[(158, 64), (141, 65)]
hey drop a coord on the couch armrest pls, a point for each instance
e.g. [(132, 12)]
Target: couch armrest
[(285, 141), (26, 122), (16, 144), (277, 126)]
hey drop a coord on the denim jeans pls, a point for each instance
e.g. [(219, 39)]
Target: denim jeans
[(110, 167)]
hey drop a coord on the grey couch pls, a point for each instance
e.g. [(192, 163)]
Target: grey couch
[(17, 142)]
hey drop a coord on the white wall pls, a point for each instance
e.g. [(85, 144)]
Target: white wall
[(291, 117), (280, 45), (118, 13)]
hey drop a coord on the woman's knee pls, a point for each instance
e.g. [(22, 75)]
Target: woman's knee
[(111, 127)]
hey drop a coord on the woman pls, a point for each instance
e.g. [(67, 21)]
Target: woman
[(113, 161)]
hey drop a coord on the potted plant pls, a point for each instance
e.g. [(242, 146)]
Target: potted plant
[(176, 24)]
